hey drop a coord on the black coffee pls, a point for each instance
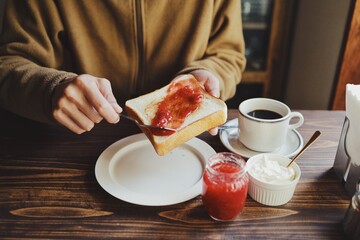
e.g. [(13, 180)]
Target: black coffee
[(264, 114)]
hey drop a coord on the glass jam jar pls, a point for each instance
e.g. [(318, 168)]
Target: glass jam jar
[(225, 185)]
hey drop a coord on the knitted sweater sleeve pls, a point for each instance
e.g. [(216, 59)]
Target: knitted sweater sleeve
[(30, 51)]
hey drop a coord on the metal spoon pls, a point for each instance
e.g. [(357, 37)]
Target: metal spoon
[(311, 140), (223, 127), (162, 129)]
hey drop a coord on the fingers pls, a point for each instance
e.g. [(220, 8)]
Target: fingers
[(66, 121), (209, 81), (99, 93), (72, 118), (105, 89), (84, 101), (213, 88), (73, 95), (211, 84), (214, 131)]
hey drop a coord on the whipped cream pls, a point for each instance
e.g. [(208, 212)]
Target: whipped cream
[(271, 171)]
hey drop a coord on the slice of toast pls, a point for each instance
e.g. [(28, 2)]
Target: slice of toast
[(202, 112)]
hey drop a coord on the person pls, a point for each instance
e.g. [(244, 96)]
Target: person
[(77, 62)]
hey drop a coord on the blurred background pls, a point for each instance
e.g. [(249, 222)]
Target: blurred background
[(294, 50), (2, 2)]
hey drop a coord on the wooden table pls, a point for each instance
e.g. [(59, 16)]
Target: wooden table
[(48, 190)]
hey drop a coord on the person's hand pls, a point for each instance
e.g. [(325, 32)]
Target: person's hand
[(211, 84), (83, 101)]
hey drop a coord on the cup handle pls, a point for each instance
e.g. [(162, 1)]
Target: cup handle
[(299, 122)]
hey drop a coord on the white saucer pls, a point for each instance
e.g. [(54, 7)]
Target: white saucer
[(229, 138), (130, 170)]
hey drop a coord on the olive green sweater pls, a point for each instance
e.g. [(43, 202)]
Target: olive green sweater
[(139, 45)]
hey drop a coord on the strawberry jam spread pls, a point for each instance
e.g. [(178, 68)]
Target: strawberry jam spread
[(182, 99)]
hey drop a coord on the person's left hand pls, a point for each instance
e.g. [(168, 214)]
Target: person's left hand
[(211, 84)]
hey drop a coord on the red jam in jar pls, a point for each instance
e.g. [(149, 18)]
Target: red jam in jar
[(225, 185)]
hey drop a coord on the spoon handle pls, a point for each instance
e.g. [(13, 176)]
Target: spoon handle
[(223, 127), (311, 140)]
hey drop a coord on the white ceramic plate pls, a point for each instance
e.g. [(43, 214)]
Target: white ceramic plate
[(130, 170), (229, 138)]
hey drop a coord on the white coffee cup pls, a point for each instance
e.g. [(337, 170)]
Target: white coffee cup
[(266, 131)]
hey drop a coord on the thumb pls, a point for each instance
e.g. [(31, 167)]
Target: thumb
[(106, 90), (111, 99), (116, 107), (208, 80)]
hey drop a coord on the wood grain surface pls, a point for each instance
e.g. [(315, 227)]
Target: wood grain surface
[(48, 190)]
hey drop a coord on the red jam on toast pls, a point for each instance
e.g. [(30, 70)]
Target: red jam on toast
[(182, 99)]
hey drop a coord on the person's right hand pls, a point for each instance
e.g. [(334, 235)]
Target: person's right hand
[(83, 101)]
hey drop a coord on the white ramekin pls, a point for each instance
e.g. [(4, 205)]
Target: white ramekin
[(272, 194)]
